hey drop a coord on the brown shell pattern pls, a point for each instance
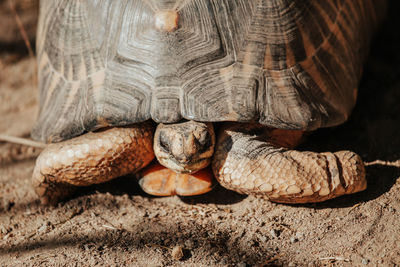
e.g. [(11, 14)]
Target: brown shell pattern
[(290, 64)]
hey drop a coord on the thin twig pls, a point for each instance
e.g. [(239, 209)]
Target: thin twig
[(354, 207), (271, 260), (156, 245), (21, 28), (109, 227), (395, 163), (21, 141), (334, 259)]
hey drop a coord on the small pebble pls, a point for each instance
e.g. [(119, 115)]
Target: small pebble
[(299, 236), (43, 228), (177, 252), (263, 239), (189, 243), (241, 264), (364, 261), (7, 205), (293, 239), (7, 236), (3, 230), (216, 217), (274, 233)]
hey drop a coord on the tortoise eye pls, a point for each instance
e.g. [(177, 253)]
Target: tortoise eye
[(164, 142), (205, 141), (204, 138)]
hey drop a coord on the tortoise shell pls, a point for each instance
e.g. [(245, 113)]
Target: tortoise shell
[(286, 64)]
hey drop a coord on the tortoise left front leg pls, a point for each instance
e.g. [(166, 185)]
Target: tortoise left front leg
[(253, 159)]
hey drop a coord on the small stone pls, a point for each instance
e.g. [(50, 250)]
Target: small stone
[(153, 215), (7, 236), (299, 236), (263, 239), (215, 216), (189, 243), (274, 233), (291, 264), (241, 264), (43, 228), (293, 239), (365, 261), (177, 252), (4, 230)]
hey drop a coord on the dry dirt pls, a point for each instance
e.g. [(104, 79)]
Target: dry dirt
[(116, 224)]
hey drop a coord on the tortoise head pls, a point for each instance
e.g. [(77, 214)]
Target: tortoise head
[(184, 147)]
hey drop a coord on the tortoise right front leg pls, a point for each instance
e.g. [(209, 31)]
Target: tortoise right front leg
[(92, 158), (253, 159)]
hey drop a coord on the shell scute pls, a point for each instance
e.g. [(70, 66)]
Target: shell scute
[(286, 64)]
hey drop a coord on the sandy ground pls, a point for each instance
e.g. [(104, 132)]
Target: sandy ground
[(116, 224)]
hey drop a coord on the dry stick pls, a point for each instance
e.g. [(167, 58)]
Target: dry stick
[(24, 36), (21, 141), (109, 227), (14, 139), (395, 163), (21, 28), (156, 245), (334, 259)]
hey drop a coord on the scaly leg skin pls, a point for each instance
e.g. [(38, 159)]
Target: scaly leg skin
[(252, 159), (92, 158)]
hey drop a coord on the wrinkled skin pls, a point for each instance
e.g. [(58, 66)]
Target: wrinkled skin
[(248, 158)]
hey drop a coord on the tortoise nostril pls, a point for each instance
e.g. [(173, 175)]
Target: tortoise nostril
[(184, 158)]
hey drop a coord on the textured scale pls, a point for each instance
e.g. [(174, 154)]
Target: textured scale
[(249, 160), (92, 158), (286, 64)]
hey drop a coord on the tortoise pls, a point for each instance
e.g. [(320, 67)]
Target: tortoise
[(231, 84)]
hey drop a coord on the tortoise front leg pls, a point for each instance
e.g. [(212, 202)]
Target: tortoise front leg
[(92, 158), (252, 159)]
